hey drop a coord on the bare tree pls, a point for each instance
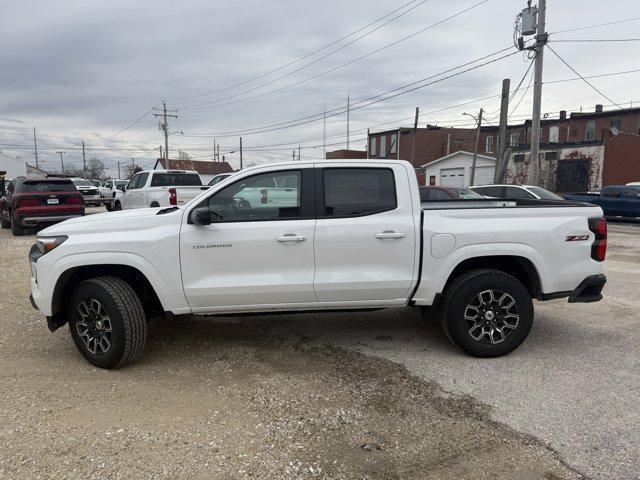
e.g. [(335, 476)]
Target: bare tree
[(129, 170), (182, 155), (95, 169)]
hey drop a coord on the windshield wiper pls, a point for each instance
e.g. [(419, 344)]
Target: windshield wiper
[(167, 210)]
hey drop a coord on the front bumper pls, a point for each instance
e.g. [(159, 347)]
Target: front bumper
[(93, 199), (589, 290)]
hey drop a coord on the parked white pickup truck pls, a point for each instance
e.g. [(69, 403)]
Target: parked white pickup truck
[(160, 188), (354, 236)]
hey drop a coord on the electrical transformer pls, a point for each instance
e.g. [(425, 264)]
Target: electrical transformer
[(529, 21)]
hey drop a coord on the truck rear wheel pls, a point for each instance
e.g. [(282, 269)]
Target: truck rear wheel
[(487, 313), (108, 206), (107, 322)]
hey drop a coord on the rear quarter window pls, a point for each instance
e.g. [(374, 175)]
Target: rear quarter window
[(175, 179)]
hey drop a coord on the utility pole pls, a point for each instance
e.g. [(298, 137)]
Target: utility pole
[(165, 127), (475, 149), (541, 41), (298, 152), (348, 116), (415, 131), (324, 131), (293, 155), (35, 145), (84, 159), (501, 160), (368, 141), (161, 152), (240, 153), (214, 150), (119, 166), (61, 152)]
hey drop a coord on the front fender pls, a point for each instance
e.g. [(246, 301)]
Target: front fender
[(168, 288)]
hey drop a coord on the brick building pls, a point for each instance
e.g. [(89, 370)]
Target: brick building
[(602, 146), (345, 154)]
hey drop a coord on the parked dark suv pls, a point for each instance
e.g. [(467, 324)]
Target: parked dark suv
[(32, 202)]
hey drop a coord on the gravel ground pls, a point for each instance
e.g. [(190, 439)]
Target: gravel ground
[(236, 398)]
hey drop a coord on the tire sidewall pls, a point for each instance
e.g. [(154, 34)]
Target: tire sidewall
[(464, 294), (112, 357)]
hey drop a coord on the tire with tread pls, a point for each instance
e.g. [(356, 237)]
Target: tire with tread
[(117, 206), (127, 317), (4, 223), (463, 289), (16, 229), (108, 206)]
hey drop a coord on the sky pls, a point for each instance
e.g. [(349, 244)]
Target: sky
[(87, 70)]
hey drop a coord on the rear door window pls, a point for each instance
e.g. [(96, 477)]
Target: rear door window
[(497, 192), (514, 193), (351, 192), (175, 179)]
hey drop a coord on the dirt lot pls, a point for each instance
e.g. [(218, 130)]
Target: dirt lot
[(262, 397)]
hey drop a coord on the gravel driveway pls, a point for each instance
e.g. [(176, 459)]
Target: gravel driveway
[(353, 396)]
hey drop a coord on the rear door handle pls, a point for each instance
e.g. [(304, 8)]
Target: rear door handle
[(291, 237), (390, 234)]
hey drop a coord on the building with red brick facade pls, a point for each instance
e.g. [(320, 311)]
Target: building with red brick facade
[(589, 149)]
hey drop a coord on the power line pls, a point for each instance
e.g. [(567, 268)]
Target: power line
[(584, 79), (214, 103), (615, 22), (598, 40), (363, 103), (313, 62), (296, 60)]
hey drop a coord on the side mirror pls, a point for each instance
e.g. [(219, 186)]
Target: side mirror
[(122, 188), (201, 216)]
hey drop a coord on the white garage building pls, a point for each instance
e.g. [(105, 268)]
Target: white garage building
[(454, 170)]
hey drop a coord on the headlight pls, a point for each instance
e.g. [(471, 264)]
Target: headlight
[(46, 244)]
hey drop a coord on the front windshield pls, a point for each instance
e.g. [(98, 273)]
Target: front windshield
[(469, 194), (545, 194)]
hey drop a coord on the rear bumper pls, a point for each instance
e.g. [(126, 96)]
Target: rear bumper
[(28, 221), (589, 290)]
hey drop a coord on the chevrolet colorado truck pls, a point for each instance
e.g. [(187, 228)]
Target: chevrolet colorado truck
[(354, 236), (160, 188)]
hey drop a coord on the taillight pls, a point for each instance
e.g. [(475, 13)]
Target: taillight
[(73, 201), (173, 197), (30, 202), (264, 197), (599, 248)]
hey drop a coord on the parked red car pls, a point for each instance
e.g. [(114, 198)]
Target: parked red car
[(33, 202)]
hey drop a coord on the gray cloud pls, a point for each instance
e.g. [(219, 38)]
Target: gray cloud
[(85, 70)]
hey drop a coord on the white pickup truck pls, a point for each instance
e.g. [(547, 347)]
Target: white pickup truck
[(354, 236), (159, 188)]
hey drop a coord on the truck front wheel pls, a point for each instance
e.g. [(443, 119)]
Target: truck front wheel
[(107, 322), (487, 313)]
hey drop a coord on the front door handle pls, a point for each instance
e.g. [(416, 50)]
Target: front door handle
[(390, 234), (291, 237)]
